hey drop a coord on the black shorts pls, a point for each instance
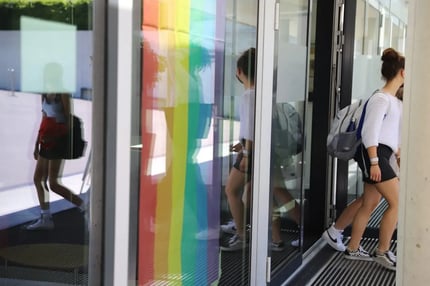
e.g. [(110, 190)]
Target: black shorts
[(249, 167), (384, 153)]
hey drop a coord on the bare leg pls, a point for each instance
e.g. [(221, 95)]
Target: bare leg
[(276, 229), (247, 200), (39, 179), (233, 190), (285, 199), (348, 214), (56, 187), (371, 198), (390, 191)]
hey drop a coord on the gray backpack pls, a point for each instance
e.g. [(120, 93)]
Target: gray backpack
[(287, 130)]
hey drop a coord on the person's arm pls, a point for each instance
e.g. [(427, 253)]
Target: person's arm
[(398, 157), (375, 171), (36, 144), (247, 148), (376, 109), (65, 99), (36, 148), (246, 152)]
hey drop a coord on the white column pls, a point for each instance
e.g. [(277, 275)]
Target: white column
[(414, 214)]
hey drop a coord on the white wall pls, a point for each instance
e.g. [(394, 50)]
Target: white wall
[(20, 116)]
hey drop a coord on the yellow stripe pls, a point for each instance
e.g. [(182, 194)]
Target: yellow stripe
[(180, 135)]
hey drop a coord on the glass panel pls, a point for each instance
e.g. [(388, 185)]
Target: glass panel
[(366, 74), (185, 121), (371, 32), (287, 131), (46, 51)]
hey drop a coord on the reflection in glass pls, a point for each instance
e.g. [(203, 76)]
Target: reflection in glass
[(287, 132), (188, 118), (179, 213), (44, 232)]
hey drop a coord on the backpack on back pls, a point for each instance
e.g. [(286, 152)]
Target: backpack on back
[(345, 133), (73, 144), (287, 130)]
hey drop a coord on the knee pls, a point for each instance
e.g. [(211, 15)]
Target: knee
[(228, 191), (53, 183), (393, 205), (373, 205), (231, 192), (369, 207), (38, 179)]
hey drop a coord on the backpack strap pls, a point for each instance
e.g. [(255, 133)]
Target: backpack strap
[(361, 122)]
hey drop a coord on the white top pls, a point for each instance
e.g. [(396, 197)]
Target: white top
[(246, 113), (382, 121), (54, 108)]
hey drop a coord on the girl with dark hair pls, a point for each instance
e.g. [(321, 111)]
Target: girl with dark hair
[(50, 148), (380, 139), (240, 174)]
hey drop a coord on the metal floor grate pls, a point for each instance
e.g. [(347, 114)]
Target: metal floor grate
[(329, 267), (36, 276), (341, 271)]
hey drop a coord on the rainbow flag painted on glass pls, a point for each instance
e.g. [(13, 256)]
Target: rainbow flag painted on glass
[(178, 201)]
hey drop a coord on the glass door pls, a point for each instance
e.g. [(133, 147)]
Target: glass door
[(288, 114), (377, 27), (193, 215), (45, 78)]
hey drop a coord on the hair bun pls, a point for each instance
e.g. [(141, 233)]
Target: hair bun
[(390, 54)]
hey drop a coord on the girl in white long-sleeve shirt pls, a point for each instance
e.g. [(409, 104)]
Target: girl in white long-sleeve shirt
[(380, 139), (382, 128)]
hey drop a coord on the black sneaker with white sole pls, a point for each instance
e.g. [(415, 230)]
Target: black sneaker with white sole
[(387, 259), (359, 254), (235, 243), (278, 246)]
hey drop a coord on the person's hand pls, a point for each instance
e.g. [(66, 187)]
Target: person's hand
[(375, 173), (236, 148)]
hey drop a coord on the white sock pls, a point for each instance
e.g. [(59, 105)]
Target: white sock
[(45, 213), (338, 230), (334, 231)]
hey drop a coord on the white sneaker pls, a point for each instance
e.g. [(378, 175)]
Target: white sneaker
[(295, 243), (208, 234), (229, 228), (43, 223), (386, 259), (334, 238)]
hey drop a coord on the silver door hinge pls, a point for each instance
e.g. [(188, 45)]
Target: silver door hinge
[(340, 40), (277, 16), (268, 268), (333, 213)]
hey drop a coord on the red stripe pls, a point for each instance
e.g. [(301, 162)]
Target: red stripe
[(148, 197)]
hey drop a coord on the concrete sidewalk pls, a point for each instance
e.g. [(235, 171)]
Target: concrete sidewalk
[(20, 204)]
